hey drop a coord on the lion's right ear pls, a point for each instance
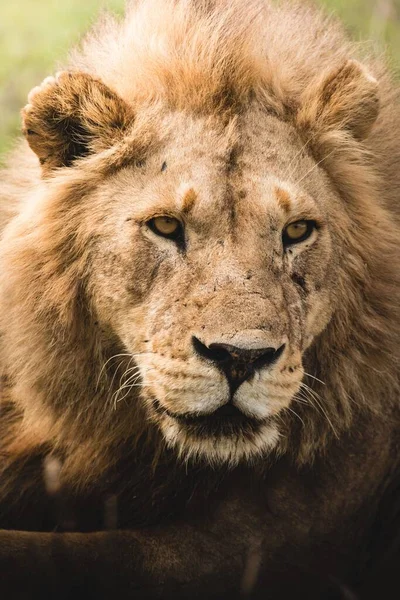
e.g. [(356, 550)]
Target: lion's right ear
[(73, 115), (346, 98)]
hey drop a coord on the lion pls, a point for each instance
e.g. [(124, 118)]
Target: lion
[(199, 299)]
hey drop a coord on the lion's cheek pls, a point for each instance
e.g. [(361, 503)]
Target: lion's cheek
[(318, 314)]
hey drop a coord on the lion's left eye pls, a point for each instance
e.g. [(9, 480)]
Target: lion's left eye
[(297, 232), (168, 227)]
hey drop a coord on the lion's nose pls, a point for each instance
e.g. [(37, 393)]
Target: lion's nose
[(238, 364)]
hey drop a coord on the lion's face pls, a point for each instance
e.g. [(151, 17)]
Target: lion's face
[(204, 254), (213, 292)]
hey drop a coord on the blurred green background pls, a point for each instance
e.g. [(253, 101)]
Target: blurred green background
[(35, 34)]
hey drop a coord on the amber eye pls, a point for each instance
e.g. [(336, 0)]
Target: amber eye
[(297, 232), (168, 227)]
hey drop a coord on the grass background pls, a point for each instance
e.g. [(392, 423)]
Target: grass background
[(35, 34)]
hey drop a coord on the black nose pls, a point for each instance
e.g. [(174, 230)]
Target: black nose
[(238, 364)]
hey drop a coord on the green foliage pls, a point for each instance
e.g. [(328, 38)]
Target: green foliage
[(374, 21), (36, 33)]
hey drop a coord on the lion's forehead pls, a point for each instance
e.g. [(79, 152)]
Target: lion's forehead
[(212, 172), (254, 144)]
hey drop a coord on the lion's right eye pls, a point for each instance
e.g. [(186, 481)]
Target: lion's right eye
[(297, 232), (167, 227)]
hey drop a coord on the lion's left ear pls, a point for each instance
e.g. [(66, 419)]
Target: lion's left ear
[(73, 115), (344, 99)]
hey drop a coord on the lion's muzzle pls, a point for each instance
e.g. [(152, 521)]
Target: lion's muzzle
[(237, 363)]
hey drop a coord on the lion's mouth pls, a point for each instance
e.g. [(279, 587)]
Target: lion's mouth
[(227, 420)]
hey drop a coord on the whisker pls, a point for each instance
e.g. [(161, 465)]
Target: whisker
[(317, 399), (307, 388), (105, 364), (125, 386), (129, 383), (124, 374), (309, 401), (296, 156), (295, 413), (115, 374), (131, 354), (136, 375), (315, 166), (129, 388), (313, 377), (301, 400)]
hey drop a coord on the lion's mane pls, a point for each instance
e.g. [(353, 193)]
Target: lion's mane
[(204, 58)]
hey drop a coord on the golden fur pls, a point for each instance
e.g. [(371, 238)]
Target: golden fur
[(260, 122)]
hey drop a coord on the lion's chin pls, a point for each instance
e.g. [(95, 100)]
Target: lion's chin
[(224, 437)]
